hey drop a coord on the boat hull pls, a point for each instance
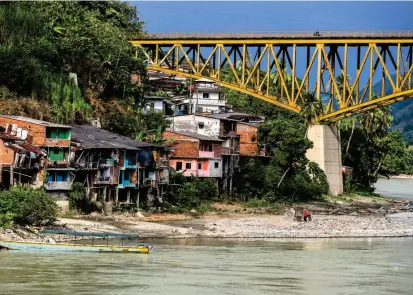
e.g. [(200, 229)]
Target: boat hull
[(70, 247)]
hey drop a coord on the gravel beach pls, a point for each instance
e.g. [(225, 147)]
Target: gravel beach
[(236, 226)]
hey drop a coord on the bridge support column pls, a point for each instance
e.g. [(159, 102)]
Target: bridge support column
[(326, 152)]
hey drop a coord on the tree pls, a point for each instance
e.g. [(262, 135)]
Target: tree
[(42, 42), (312, 109)]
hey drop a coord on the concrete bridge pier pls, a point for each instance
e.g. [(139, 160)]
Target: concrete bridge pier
[(326, 152)]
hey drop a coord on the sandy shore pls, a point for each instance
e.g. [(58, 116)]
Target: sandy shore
[(236, 226)]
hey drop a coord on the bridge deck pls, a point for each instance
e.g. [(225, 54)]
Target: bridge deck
[(283, 35)]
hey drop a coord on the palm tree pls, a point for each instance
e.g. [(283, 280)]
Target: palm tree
[(376, 121), (312, 109)]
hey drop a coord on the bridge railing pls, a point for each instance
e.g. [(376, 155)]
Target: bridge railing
[(287, 34)]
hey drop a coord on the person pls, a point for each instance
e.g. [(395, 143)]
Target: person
[(305, 215)]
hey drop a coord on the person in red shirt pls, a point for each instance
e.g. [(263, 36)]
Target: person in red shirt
[(306, 215)]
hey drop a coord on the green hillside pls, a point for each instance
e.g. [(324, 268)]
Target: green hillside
[(402, 112)]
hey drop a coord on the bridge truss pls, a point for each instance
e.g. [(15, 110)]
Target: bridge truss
[(281, 69)]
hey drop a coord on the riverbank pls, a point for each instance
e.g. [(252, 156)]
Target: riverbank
[(340, 217)]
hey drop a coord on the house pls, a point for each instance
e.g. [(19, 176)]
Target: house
[(247, 129), (155, 104), (118, 168), (54, 141), (19, 159), (223, 129), (194, 154)]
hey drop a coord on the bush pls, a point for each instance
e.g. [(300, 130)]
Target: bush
[(195, 191), (77, 198), (23, 205)]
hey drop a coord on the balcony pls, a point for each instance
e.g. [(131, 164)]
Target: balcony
[(106, 163), (207, 86), (104, 180), (130, 164), (87, 165), (230, 150), (58, 185), (204, 154), (126, 184), (52, 163), (225, 133), (161, 163)]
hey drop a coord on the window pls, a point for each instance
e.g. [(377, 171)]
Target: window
[(57, 133), (201, 125), (210, 147), (199, 166), (216, 165), (188, 166), (178, 166), (205, 95), (126, 175)]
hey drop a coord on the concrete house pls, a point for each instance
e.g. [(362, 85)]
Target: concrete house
[(195, 155), (217, 128)]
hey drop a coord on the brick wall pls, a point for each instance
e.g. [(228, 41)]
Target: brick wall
[(248, 139), (184, 146), (37, 131), (6, 154)]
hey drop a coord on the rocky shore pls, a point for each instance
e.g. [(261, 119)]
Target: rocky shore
[(235, 226), (341, 217)]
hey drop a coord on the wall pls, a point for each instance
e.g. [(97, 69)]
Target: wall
[(188, 172), (215, 172), (6, 154), (190, 123), (184, 146), (248, 139), (37, 131)]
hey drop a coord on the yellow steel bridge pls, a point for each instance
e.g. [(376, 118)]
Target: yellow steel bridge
[(281, 67)]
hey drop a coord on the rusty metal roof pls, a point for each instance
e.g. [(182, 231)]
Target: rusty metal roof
[(90, 137), (34, 121)]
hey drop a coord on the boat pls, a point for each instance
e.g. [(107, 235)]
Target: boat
[(126, 241)]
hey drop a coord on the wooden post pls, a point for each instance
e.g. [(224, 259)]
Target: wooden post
[(11, 175), (110, 194), (128, 196), (104, 194)]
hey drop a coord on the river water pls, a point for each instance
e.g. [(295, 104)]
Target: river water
[(181, 267), (398, 188), (318, 266)]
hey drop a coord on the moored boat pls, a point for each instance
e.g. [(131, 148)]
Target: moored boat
[(125, 239)]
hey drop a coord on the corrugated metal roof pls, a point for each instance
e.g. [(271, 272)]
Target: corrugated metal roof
[(239, 117), (34, 121), (90, 137)]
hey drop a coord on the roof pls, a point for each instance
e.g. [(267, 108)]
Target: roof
[(90, 137), (243, 117), (199, 115), (196, 135), (34, 121), (19, 145), (154, 97), (204, 80)]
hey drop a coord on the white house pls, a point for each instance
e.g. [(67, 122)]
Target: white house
[(205, 97)]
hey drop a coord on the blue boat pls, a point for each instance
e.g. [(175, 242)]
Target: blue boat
[(125, 240)]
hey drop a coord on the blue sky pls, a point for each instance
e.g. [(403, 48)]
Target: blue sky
[(171, 16), (221, 17)]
